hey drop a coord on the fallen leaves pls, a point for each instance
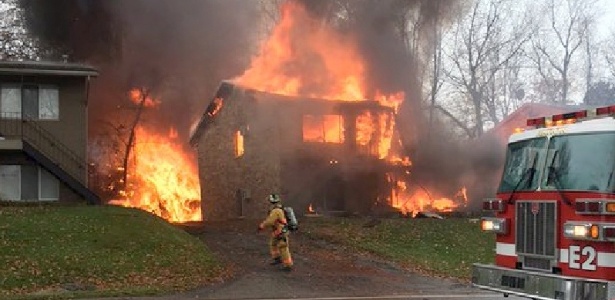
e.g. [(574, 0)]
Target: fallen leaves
[(77, 249)]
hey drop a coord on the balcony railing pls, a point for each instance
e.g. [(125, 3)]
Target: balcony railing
[(16, 126)]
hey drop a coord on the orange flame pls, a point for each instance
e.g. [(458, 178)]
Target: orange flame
[(310, 209), (162, 178), (414, 201), (137, 96), (304, 58)]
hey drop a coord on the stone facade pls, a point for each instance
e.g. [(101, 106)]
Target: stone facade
[(330, 176)]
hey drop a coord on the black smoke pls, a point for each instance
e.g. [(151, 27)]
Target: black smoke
[(180, 50), (442, 160)]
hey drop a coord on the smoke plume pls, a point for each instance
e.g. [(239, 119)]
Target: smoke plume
[(180, 50)]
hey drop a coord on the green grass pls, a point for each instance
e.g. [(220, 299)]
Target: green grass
[(446, 247), (97, 251)]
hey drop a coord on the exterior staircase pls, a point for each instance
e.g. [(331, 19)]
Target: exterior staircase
[(52, 155)]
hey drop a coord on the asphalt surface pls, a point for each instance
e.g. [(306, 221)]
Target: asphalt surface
[(323, 271)]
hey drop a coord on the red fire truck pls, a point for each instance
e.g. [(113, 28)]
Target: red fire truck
[(554, 214)]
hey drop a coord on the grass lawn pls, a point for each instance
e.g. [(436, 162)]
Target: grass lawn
[(96, 251), (446, 247)]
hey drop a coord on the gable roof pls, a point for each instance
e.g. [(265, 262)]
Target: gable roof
[(215, 105), (518, 119), (46, 68)]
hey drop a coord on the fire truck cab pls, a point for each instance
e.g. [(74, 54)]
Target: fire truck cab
[(554, 211)]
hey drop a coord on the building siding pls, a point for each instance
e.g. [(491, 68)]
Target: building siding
[(70, 130)]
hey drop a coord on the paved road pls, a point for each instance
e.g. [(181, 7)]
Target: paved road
[(485, 296)]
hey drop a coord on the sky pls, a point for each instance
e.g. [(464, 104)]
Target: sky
[(606, 23)]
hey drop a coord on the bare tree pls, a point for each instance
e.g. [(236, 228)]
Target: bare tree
[(557, 46), (485, 42), (609, 55)]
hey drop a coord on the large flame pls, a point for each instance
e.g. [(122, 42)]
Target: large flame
[(306, 57), (303, 57), (162, 178)]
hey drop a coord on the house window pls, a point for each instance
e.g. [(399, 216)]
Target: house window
[(10, 102), (27, 183), (38, 102), (239, 149), (323, 129), (49, 188), (10, 187)]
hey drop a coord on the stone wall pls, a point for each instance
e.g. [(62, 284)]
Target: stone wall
[(232, 186)]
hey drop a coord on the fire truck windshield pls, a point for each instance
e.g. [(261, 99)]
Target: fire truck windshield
[(581, 162), (576, 162), (522, 169)]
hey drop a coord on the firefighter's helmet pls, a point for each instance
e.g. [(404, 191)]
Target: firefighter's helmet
[(274, 198)]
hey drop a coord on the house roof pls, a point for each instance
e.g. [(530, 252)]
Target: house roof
[(227, 88), (46, 68), (518, 119), (224, 91)]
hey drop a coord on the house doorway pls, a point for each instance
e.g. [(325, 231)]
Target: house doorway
[(334, 193)]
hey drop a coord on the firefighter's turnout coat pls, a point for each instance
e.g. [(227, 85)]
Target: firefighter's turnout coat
[(278, 242)]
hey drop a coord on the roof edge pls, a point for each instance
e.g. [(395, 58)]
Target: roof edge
[(46, 68)]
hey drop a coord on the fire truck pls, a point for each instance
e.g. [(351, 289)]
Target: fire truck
[(554, 210)]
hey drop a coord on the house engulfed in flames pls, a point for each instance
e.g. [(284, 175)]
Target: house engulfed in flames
[(303, 121), (325, 154)]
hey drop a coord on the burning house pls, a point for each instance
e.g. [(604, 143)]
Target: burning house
[(318, 153), (309, 119)]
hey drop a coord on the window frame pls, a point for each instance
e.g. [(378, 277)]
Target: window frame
[(39, 183), (55, 100)]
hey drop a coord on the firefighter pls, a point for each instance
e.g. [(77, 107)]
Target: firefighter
[(278, 242)]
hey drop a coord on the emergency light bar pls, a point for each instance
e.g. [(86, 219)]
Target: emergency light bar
[(569, 118)]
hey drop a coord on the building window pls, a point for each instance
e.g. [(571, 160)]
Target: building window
[(27, 183), (10, 102), (38, 102), (323, 129), (48, 103), (49, 188), (10, 179), (239, 147)]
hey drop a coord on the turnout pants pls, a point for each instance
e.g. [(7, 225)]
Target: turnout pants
[(278, 247)]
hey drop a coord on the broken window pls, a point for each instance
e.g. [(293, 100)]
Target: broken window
[(239, 149), (214, 107), (323, 128), (366, 128)]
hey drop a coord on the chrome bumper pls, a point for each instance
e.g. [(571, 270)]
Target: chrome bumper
[(538, 285)]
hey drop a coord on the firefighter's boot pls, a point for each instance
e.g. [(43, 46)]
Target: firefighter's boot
[(276, 261), (287, 268)]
